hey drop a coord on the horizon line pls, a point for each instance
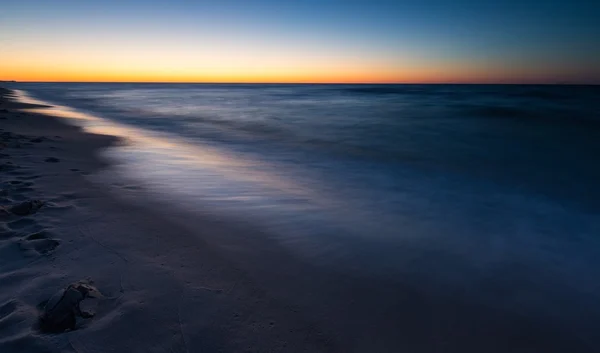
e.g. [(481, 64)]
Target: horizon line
[(320, 83)]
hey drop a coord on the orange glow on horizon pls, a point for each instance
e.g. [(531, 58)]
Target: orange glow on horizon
[(230, 67), (349, 76), (238, 75)]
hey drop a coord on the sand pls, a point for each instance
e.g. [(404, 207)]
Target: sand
[(165, 289)]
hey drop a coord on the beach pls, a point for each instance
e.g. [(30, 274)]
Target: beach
[(164, 289), (184, 276), (299, 176)]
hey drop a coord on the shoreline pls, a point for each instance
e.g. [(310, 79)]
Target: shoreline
[(166, 287), (179, 281)]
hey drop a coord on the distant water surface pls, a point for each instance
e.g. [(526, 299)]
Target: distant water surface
[(491, 190)]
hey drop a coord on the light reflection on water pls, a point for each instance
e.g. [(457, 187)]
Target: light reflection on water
[(176, 157), (195, 176)]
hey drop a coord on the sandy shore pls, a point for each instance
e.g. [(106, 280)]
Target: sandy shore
[(166, 290)]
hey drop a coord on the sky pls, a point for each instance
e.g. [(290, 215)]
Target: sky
[(379, 41)]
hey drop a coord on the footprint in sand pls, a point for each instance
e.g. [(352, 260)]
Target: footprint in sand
[(12, 316), (40, 242), (14, 185), (24, 225), (6, 233), (7, 167), (18, 198), (7, 308), (22, 209), (16, 190)]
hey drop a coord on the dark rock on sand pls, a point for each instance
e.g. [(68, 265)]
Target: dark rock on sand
[(61, 311)]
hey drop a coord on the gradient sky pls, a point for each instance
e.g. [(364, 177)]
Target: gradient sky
[(301, 41)]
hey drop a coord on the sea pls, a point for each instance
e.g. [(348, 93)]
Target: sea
[(488, 193)]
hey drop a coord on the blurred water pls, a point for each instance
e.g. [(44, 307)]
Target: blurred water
[(472, 188)]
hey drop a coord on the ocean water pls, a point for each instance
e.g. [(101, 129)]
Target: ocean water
[(487, 191)]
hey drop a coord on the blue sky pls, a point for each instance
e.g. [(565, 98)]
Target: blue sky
[(484, 41)]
